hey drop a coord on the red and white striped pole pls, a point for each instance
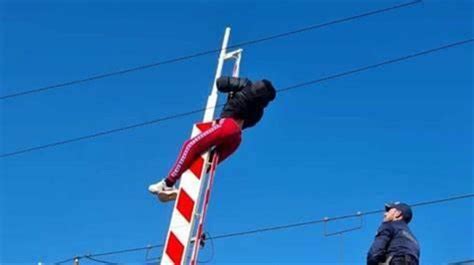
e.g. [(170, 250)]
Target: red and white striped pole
[(189, 200), (215, 160)]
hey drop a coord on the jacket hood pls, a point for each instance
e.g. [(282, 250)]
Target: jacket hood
[(265, 91)]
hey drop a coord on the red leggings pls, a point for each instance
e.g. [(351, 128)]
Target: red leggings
[(225, 136)]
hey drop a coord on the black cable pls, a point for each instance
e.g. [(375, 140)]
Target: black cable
[(281, 227), (459, 197), (115, 252), (94, 135), (365, 68), (208, 52), (464, 262), (100, 261), (213, 250), (126, 250), (179, 115)]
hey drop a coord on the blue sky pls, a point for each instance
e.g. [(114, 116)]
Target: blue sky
[(402, 132)]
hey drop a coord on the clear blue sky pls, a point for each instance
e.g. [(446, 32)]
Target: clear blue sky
[(402, 132)]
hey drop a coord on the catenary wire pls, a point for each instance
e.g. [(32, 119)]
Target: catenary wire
[(207, 52), (101, 261), (188, 113), (279, 227)]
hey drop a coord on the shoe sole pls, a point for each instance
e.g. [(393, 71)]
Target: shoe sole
[(166, 197)]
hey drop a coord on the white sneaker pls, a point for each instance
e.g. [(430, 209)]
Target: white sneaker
[(163, 192)]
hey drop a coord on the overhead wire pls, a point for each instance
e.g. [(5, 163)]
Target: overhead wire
[(188, 113), (287, 226), (280, 227), (100, 261), (207, 52), (106, 132), (115, 252)]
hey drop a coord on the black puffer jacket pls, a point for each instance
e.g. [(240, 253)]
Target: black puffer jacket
[(395, 240), (246, 100)]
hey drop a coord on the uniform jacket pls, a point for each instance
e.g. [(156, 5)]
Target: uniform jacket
[(393, 239)]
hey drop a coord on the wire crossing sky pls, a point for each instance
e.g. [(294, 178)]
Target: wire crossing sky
[(273, 228), (187, 113), (208, 52)]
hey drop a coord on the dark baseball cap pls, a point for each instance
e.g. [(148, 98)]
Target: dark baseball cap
[(402, 207)]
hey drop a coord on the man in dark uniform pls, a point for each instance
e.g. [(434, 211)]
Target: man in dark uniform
[(394, 243)]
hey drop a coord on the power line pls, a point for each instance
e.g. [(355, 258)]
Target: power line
[(372, 66), (188, 113), (106, 132), (207, 52), (465, 262), (279, 227), (282, 227), (115, 252), (101, 261)]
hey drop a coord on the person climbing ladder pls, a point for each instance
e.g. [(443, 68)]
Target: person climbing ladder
[(244, 108)]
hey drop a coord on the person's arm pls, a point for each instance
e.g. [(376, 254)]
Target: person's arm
[(377, 252), (227, 84)]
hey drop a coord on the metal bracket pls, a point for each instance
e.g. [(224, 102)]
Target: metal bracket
[(202, 242), (233, 54), (147, 255), (340, 232)]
